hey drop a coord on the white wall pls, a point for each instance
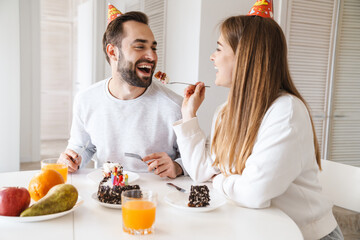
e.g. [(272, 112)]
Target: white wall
[(85, 40), (212, 13), (30, 80), (192, 32), (102, 68), (182, 42), (10, 86)]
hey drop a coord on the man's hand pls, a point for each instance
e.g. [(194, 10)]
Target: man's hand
[(71, 159), (164, 166)]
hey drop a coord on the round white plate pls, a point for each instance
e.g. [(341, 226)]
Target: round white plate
[(180, 200), (43, 217), (108, 205), (97, 175)]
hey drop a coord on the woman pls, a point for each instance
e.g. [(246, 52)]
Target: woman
[(264, 148)]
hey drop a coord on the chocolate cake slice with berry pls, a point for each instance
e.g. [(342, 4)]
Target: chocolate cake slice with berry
[(113, 184)]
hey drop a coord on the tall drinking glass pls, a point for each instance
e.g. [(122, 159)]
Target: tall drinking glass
[(51, 163), (138, 211)]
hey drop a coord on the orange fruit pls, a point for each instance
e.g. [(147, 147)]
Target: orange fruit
[(41, 183)]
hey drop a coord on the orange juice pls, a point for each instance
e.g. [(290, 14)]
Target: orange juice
[(61, 168), (138, 214)]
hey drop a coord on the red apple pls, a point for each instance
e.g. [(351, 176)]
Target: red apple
[(13, 200)]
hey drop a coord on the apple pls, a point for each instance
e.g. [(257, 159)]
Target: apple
[(13, 200)]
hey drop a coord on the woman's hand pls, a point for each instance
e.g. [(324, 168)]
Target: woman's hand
[(194, 95)]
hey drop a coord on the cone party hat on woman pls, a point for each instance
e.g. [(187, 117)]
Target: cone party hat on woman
[(262, 8), (113, 12)]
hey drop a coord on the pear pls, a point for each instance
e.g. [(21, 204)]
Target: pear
[(60, 198)]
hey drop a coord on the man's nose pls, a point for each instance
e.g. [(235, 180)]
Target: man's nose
[(151, 55)]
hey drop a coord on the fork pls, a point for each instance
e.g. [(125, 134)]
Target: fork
[(184, 83), (133, 155), (81, 152)]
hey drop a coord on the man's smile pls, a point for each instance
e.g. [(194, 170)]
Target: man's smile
[(145, 69)]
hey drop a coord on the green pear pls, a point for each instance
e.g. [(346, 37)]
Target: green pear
[(60, 198)]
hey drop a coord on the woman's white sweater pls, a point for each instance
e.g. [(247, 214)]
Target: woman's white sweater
[(281, 171)]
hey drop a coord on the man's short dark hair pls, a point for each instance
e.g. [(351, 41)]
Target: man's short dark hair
[(115, 31)]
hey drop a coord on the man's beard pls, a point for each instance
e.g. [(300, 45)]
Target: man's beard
[(127, 72)]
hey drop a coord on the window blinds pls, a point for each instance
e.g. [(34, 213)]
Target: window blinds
[(309, 41), (344, 141), (324, 60), (155, 9), (57, 59)]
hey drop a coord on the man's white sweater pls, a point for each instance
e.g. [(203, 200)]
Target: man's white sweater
[(112, 126), (281, 171)]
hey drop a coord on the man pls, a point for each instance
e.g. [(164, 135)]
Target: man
[(127, 112)]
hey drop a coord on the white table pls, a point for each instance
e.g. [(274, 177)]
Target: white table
[(92, 221)]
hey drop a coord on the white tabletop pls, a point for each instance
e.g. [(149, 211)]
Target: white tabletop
[(92, 221)]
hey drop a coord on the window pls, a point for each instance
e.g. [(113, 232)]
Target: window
[(324, 59)]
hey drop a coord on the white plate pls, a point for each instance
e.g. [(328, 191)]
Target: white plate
[(43, 217), (108, 205), (97, 175), (180, 200)]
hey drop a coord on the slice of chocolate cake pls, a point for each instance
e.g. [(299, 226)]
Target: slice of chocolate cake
[(108, 193), (113, 184), (199, 196)]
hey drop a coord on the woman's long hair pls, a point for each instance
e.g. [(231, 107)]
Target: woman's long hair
[(260, 74)]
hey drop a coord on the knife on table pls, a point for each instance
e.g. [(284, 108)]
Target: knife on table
[(176, 187)]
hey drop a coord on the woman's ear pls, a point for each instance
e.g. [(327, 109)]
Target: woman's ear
[(111, 51)]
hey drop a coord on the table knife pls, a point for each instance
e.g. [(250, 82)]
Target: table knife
[(176, 187)]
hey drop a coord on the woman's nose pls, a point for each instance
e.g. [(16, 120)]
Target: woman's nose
[(212, 57)]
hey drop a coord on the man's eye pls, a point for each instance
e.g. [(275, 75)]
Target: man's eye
[(139, 47), (154, 48)]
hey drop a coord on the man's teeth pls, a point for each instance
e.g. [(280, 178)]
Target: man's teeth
[(145, 66)]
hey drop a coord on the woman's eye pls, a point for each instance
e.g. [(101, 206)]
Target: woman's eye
[(218, 49), (139, 47)]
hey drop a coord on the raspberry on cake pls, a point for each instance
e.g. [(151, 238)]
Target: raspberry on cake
[(162, 77), (113, 184), (199, 196)]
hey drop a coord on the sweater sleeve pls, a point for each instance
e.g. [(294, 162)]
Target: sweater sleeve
[(178, 159), (196, 158), (79, 138), (275, 161)]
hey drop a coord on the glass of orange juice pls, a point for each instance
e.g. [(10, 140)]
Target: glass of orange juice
[(138, 211), (51, 163)]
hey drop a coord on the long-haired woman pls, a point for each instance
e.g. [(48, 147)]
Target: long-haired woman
[(264, 149)]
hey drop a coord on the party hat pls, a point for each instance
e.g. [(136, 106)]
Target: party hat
[(262, 8), (113, 12)]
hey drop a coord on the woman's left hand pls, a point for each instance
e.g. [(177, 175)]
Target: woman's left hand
[(194, 95)]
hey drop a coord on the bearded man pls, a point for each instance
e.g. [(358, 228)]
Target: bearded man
[(127, 112)]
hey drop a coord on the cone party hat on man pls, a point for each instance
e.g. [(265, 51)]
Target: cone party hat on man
[(113, 12), (262, 8)]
